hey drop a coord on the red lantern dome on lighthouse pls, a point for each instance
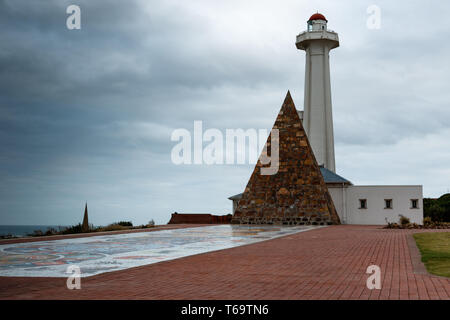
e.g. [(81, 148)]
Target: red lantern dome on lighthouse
[(317, 16)]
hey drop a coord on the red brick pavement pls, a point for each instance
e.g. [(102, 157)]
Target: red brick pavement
[(327, 263)]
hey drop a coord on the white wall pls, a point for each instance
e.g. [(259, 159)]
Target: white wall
[(338, 194), (346, 201)]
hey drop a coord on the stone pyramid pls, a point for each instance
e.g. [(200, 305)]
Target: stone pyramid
[(297, 193)]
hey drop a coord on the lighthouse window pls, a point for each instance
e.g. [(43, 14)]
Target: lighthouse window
[(414, 204)]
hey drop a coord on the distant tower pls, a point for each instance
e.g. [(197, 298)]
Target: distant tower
[(85, 225), (317, 41)]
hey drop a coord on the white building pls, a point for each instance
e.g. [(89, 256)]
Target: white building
[(368, 205), (377, 204)]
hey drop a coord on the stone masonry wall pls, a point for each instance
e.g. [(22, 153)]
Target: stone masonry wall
[(297, 193)]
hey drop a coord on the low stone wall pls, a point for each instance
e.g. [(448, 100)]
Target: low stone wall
[(199, 218)]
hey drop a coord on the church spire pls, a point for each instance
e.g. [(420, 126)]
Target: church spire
[(85, 225)]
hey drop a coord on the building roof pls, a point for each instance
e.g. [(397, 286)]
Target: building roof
[(328, 176), (236, 196), (331, 177), (318, 16)]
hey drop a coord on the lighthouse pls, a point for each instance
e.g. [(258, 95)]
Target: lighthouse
[(291, 195), (317, 41)]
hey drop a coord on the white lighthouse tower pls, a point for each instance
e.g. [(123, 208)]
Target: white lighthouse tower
[(317, 41)]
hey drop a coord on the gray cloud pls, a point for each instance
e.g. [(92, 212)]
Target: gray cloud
[(87, 114)]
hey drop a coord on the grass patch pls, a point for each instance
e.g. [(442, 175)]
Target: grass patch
[(435, 250)]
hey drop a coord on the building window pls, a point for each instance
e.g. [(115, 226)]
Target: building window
[(363, 203), (414, 204), (388, 203)]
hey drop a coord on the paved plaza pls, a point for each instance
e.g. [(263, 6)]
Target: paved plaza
[(113, 252), (324, 263)]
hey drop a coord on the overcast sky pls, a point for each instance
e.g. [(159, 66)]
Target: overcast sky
[(86, 115)]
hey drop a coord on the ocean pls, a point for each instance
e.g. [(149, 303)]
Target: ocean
[(24, 230)]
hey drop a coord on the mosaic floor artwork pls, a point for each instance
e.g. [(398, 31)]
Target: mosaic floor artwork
[(99, 254)]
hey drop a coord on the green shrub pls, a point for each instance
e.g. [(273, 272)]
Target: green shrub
[(437, 209), (112, 227), (427, 221), (73, 229), (7, 236), (36, 233), (124, 223), (404, 221), (51, 232)]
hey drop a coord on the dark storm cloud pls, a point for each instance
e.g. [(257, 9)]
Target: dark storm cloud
[(87, 114), (120, 49), (79, 106)]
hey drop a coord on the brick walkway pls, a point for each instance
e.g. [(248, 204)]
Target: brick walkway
[(328, 263)]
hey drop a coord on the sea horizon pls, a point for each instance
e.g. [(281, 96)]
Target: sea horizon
[(26, 229)]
